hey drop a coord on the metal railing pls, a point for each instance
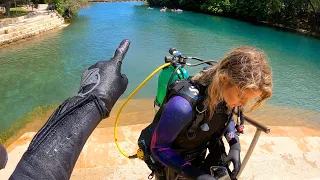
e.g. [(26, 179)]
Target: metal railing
[(259, 128)]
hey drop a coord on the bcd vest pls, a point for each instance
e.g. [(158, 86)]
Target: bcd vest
[(195, 136)]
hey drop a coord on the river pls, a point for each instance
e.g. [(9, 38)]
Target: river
[(46, 69)]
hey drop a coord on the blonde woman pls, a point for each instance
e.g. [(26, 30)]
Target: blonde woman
[(180, 140)]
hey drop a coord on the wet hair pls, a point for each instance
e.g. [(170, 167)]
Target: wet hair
[(246, 67)]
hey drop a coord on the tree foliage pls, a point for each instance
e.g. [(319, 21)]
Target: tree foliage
[(64, 7), (303, 14), (6, 4), (67, 7)]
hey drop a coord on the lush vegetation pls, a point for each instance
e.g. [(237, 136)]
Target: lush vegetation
[(295, 14), (16, 12), (67, 7)]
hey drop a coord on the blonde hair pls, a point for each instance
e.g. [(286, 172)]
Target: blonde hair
[(246, 67)]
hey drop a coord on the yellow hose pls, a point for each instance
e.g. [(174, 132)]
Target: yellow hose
[(127, 100)]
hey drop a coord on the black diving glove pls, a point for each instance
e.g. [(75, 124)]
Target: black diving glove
[(234, 157), (54, 150), (105, 80)]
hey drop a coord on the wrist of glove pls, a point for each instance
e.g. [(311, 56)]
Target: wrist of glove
[(234, 157), (105, 80)]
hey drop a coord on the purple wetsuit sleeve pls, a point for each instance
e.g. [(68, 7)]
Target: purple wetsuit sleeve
[(176, 114)]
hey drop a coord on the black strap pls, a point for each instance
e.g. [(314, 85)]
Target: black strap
[(151, 175), (228, 122), (192, 131), (198, 116)]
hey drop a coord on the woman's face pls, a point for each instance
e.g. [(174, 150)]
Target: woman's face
[(234, 97)]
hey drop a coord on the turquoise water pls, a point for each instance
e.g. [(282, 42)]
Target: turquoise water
[(47, 69)]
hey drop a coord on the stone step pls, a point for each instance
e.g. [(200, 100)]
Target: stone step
[(135, 170), (6, 173), (18, 19), (22, 32), (286, 157), (282, 167), (28, 20), (45, 24), (285, 166), (273, 167), (41, 20), (36, 18), (30, 31), (4, 37), (29, 23), (102, 140)]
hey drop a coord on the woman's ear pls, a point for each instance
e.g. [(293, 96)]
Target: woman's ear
[(226, 81)]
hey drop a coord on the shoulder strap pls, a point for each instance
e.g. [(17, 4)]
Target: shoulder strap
[(186, 89), (199, 110), (230, 115)]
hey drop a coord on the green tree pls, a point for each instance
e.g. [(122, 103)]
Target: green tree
[(194, 5), (68, 7), (7, 6)]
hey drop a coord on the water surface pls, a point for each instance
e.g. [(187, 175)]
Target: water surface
[(46, 69)]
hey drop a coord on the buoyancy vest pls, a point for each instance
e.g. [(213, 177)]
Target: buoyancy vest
[(195, 136)]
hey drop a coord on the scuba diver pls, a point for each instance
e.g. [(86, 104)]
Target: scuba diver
[(54, 150), (198, 111)]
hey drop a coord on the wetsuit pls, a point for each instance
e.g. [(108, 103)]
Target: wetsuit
[(182, 155)]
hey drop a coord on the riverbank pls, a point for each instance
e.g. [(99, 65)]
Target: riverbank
[(39, 21), (140, 111), (299, 17), (277, 26), (288, 29)]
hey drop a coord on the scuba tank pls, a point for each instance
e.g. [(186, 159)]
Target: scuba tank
[(172, 70), (168, 75)]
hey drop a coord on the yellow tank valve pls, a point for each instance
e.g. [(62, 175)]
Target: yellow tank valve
[(140, 154)]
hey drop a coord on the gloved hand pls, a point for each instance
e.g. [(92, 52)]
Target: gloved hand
[(105, 79), (206, 177), (234, 157), (54, 150)]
